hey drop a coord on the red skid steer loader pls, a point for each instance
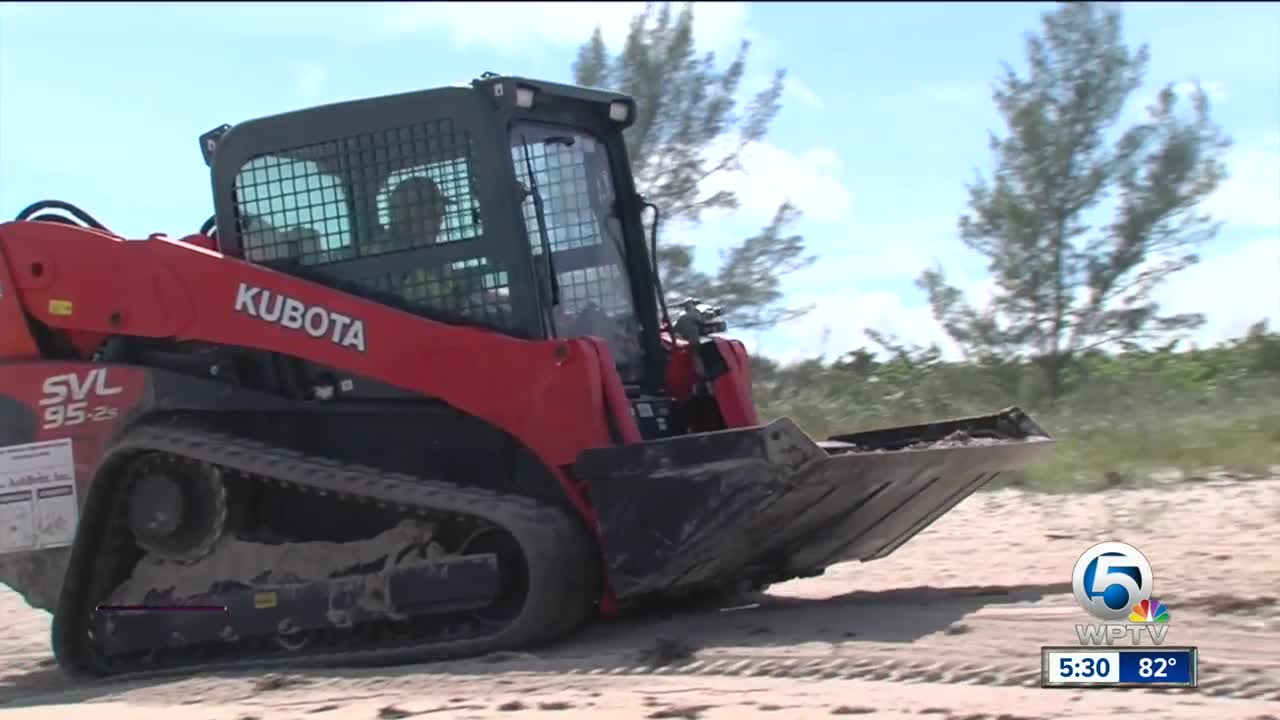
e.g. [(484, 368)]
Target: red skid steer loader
[(411, 393)]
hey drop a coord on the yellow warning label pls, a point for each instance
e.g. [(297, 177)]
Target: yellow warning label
[(264, 601), (60, 307)]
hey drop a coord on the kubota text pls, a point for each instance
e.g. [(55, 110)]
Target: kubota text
[(296, 315), (67, 399)]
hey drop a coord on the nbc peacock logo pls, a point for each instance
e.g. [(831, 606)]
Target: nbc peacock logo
[(1149, 611)]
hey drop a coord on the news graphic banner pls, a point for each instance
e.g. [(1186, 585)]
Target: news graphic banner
[(1113, 582), (1075, 667)]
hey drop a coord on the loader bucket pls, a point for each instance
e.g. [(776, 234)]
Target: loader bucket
[(767, 503)]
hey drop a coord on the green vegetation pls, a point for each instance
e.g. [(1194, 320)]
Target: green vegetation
[(1118, 419)]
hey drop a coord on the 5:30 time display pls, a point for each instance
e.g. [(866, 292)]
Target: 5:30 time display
[(1084, 666)]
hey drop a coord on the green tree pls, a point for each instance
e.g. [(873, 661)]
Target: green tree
[(1068, 278), (749, 282), (688, 129)]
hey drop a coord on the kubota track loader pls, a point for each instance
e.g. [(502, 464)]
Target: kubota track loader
[(411, 393)]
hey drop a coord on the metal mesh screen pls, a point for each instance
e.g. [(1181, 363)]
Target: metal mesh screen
[(468, 289), (372, 195), (576, 210), (572, 175), (580, 287), (291, 209)]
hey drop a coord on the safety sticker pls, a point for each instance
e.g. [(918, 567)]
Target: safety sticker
[(38, 507)]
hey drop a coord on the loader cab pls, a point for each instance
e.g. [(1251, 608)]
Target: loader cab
[(538, 228)]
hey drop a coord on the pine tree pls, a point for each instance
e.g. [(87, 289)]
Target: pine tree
[(1067, 281), (686, 110)]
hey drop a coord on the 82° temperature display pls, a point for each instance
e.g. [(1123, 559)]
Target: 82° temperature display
[(1078, 666)]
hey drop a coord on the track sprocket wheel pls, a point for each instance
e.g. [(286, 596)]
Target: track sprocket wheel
[(177, 508)]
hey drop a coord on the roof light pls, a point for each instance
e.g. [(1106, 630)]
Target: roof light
[(524, 97), (618, 111)]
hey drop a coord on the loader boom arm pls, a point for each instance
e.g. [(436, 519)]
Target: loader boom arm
[(559, 397)]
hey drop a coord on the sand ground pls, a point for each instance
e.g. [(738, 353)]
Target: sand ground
[(948, 627)]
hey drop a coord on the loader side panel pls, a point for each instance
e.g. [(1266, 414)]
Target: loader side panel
[(56, 421), (733, 388), (82, 404), (59, 420), (723, 365), (550, 394)]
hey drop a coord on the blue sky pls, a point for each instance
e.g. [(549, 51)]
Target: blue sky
[(885, 118)]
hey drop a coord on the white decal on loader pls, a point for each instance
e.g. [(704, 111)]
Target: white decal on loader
[(295, 315), (38, 505), (67, 399)]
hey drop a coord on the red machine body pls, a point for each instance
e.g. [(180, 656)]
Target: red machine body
[(246, 421)]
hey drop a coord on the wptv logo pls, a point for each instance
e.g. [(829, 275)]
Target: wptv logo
[(1113, 581)]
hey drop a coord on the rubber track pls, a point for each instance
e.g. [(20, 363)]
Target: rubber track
[(562, 562)]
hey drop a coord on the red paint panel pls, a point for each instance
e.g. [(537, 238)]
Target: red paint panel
[(733, 389), (85, 402), (553, 395)]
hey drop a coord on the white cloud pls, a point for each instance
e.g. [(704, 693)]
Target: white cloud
[(312, 79), (876, 254), (845, 303), (1251, 194), (836, 325), (511, 27), (771, 175), (1234, 289), (793, 87)]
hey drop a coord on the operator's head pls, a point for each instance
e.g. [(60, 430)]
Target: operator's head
[(417, 209)]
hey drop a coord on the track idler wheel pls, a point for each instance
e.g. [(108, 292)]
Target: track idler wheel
[(177, 508), (512, 568)]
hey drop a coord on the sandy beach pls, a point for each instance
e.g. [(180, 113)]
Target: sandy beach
[(949, 627)]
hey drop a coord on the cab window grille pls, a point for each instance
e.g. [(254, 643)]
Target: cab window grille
[(577, 192), (468, 289), (571, 172), (376, 194)]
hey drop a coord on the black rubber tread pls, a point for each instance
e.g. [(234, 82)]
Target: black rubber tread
[(562, 561)]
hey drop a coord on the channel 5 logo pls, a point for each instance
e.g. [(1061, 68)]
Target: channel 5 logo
[(1113, 581)]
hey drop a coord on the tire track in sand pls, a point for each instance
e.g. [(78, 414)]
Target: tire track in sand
[(1243, 683)]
